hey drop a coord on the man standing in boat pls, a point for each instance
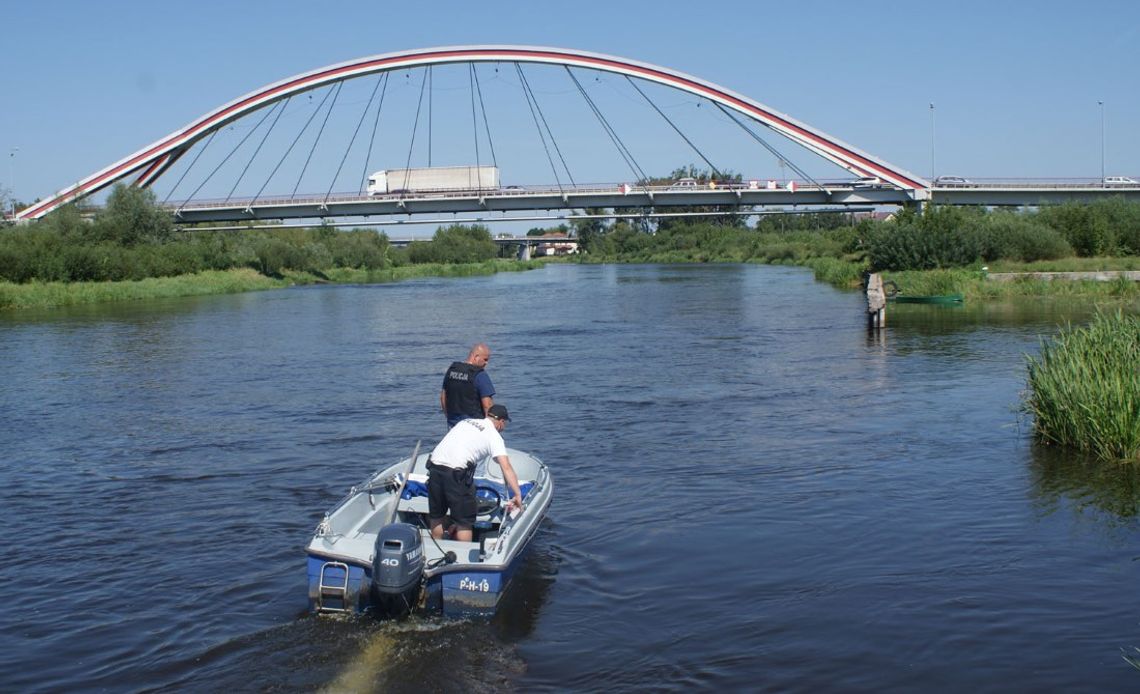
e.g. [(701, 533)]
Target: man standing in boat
[(451, 472), (467, 389)]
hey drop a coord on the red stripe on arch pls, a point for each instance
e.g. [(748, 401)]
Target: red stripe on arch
[(154, 153)]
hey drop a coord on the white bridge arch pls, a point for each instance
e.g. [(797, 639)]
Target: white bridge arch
[(147, 164)]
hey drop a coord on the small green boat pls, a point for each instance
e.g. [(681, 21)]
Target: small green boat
[(943, 299)]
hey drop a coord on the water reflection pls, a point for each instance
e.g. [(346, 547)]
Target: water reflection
[(1047, 314), (1064, 478), (428, 653), (937, 320)]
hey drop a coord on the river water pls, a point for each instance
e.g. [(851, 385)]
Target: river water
[(753, 493)]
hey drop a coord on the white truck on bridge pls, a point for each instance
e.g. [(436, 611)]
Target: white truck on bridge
[(434, 179)]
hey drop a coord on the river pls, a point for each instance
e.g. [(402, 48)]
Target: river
[(753, 493)]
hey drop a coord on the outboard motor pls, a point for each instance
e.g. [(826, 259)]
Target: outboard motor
[(397, 568)]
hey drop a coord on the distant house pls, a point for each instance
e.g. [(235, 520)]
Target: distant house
[(557, 245), (875, 216)]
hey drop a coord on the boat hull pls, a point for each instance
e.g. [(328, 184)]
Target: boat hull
[(456, 594), (943, 299), (461, 579)]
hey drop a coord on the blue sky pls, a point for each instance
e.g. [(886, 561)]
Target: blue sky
[(1015, 84)]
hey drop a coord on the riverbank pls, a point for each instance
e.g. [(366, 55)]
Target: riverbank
[(1072, 278), (975, 285), (47, 295)]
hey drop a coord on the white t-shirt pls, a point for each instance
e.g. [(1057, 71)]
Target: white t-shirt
[(469, 441)]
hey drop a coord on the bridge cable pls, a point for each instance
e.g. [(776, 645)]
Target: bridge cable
[(431, 93), (255, 153), (532, 102), (191, 166), (351, 141), (291, 146), (290, 149), (375, 126), (232, 151), (415, 126), (486, 123), (317, 139), (715, 171), (553, 167), (630, 161), (547, 125), (767, 146), (474, 125)]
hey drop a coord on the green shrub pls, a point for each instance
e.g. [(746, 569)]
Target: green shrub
[(1085, 227), (1123, 218), (272, 255), (917, 246), (360, 249), (132, 216), (1011, 236)]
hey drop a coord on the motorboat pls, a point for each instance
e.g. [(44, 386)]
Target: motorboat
[(937, 299), (373, 552)]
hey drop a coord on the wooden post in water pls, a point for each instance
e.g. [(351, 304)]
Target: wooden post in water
[(876, 301)]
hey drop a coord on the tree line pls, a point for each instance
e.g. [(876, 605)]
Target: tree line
[(132, 238)]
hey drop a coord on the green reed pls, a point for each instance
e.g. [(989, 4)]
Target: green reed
[(41, 295), (1084, 389)]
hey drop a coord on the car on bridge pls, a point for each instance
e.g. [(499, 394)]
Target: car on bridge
[(867, 182), (1120, 181), (951, 181)]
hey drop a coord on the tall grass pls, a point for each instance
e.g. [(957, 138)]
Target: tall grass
[(406, 272), (1084, 390), (31, 295), (846, 274), (42, 295)]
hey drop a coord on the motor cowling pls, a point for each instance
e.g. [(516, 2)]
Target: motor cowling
[(397, 567)]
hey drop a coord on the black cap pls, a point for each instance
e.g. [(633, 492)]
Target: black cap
[(498, 412)]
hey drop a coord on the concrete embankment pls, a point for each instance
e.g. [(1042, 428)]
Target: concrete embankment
[(1096, 276)]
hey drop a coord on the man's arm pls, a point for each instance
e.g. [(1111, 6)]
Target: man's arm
[(511, 479), (485, 390)]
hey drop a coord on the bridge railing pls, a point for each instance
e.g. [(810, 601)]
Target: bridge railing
[(623, 189)]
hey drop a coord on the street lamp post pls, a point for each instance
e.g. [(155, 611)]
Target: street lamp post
[(12, 177), (932, 142), (1101, 104)]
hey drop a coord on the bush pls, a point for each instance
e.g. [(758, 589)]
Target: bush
[(360, 249), (1010, 236), (272, 255), (914, 245), (132, 216), (1085, 227), (464, 244), (1124, 219)]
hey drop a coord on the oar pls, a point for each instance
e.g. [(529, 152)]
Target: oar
[(400, 492)]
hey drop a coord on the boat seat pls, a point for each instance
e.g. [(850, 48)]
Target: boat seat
[(415, 496), (416, 504)]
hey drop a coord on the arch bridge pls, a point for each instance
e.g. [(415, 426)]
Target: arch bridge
[(265, 159)]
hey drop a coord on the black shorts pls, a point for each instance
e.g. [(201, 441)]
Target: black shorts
[(452, 490)]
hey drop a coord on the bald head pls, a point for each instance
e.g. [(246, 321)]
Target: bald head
[(480, 354)]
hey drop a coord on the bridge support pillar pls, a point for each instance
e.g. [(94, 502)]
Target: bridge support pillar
[(524, 251), (876, 301)]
